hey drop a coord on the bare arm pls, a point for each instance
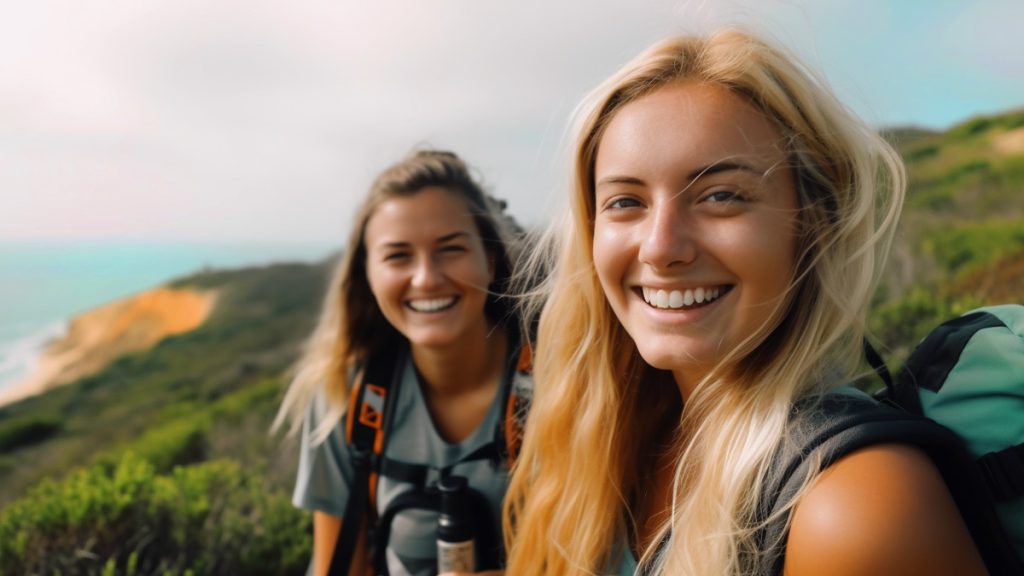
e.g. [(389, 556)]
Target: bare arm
[(882, 510), (325, 534)]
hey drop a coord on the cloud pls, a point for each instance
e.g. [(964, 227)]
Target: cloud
[(267, 121)]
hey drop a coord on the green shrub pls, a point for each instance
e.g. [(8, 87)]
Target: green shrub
[(901, 324), (1010, 174), (934, 198), (977, 244), (178, 442), (27, 431), (211, 518), (968, 169), (971, 128), (922, 152)]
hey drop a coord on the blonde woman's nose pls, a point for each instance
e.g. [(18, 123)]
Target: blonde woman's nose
[(667, 237)]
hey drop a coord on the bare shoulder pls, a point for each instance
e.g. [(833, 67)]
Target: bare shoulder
[(880, 510)]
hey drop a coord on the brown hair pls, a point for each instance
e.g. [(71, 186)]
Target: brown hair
[(351, 324)]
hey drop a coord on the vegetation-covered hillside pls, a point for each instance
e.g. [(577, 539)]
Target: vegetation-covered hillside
[(162, 463), (173, 466), (961, 243)]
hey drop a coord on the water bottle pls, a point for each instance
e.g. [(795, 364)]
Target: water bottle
[(455, 545)]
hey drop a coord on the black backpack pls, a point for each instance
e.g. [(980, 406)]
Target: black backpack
[(964, 381), (367, 422)]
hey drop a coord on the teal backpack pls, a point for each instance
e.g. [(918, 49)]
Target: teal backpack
[(960, 398)]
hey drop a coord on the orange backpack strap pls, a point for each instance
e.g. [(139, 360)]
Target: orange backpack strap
[(517, 403), (366, 425)]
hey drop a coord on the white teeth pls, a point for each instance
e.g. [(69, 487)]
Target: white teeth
[(675, 299), (662, 299), (679, 298), (432, 305)]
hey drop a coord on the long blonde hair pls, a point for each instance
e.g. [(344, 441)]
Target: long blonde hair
[(351, 325), (598, 406)]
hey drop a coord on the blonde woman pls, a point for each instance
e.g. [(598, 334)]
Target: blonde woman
[(417, 289), (727, 226)]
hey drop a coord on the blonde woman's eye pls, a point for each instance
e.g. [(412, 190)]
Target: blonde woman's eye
[(395, 256), (622, 202)]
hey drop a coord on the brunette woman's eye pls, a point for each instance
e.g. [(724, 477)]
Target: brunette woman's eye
[(453, 249), (722, 196), (395, 256)]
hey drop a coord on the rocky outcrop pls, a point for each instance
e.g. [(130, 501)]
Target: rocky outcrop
[(101, 335)]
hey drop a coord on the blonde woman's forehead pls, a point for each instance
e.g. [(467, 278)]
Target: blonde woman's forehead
[(687, 125)]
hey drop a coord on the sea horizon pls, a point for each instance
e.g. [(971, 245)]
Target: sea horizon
[(45, 283)]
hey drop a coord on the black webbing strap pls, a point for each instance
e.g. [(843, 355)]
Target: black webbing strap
[(352, 520), (930, 363), (418, 474), (430, 500), (1003, 472), (878, 364)]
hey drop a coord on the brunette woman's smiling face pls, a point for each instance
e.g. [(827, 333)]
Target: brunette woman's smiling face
[(695, 224), (427, 268)]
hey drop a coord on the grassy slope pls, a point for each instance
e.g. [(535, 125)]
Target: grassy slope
[(961, 241), (205, 396), (231, 367)]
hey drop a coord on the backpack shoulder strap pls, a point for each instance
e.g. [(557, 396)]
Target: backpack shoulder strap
[(935, 357), (841, 423), (366, 422), (518, 395)]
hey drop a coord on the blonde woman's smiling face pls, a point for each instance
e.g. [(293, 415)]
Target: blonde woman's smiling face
[(695, 224)]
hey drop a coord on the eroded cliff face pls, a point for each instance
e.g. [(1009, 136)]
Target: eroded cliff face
[(101, 335)]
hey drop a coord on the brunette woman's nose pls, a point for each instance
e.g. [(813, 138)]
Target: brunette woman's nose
[(427, 273), (668, 237)]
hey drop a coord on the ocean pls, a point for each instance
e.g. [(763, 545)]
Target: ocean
[(44, 284)]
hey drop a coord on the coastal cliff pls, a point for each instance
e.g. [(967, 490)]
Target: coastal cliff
[(101, 335)]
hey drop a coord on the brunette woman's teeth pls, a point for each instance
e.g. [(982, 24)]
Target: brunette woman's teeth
[(432, 305), (674, 299)]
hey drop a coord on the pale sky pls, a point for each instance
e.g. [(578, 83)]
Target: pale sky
[(259, 121)]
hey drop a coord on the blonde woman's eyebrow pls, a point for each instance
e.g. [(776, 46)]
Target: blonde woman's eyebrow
[(726, 166), (619, 180), (709, 170)]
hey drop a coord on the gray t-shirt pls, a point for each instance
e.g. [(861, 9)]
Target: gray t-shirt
[(325, 472)]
